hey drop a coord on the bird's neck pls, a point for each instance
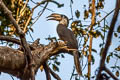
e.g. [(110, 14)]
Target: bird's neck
[(64, 22)]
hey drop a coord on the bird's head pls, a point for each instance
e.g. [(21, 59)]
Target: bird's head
[(59, 17)]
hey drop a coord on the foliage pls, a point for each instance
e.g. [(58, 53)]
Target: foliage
[(22, 12), (100, 29)]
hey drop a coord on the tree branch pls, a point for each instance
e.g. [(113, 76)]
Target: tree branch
[(22, 11), (105, 16), (17, 41), (13, 61), (46, 68), (91, 38), (25, 46), (54, 75), (109, 38), (38, 4), (110, 73), (10, 39)]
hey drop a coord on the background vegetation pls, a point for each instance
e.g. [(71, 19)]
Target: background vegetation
[(92, 26)]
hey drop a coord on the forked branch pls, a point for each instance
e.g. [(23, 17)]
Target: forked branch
[(109, 38)]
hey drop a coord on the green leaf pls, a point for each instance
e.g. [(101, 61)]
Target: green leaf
[(115, 34), (107, 27), (117, 73), (98, 33), (72, 1), (92, 77), (118, 29), (62, 56), (111, 54), (55, 68), (118, 67), (118, 56), (10, 44), (102, 37), (118, 48), (113, 67), (86, 14), (101, 44), (31, 29), (94, 50), (42, 2), (98, 14), (56, 62), (77, 13), (93, 59), (108, 59), (84, 5)]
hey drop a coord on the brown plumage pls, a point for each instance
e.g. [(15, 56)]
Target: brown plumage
[(67, 35)]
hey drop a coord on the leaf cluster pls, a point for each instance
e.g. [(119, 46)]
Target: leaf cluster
[(19, 12)]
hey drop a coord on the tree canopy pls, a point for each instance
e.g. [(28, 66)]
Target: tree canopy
[(23, 59)]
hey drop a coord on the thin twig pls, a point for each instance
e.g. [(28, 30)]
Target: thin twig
[(72, 72), (91, 39), (40, 14), (43, 6), (22, 11), (85, 65), (46, 68), (54, 74), (30, 35), (24, 6), (71, 9), (28, 21), (47, 9), (38, 4), (110, 73), (115, 63), (105, 16)]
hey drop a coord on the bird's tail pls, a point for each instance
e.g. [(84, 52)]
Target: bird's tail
[(77, 62)]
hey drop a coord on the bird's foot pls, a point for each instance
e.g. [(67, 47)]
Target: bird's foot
[(72, 49), (61, 43)]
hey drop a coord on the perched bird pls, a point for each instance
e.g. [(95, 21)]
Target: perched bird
[(67, 36)]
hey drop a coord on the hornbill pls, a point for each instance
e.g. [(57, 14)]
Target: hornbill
[(67, 36)]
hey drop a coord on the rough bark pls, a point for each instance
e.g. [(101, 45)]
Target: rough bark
[(26, 48), (13, 61)]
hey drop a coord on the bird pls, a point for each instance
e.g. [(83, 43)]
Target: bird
[(67, 36)]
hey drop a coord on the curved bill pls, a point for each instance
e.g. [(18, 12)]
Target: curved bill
[(54, 16)]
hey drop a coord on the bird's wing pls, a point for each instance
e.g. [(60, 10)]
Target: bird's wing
[(66, 34)]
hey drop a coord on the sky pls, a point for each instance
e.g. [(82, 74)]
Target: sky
[(43, 29)]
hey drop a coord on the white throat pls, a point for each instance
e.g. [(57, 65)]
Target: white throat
[(64, 22)]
